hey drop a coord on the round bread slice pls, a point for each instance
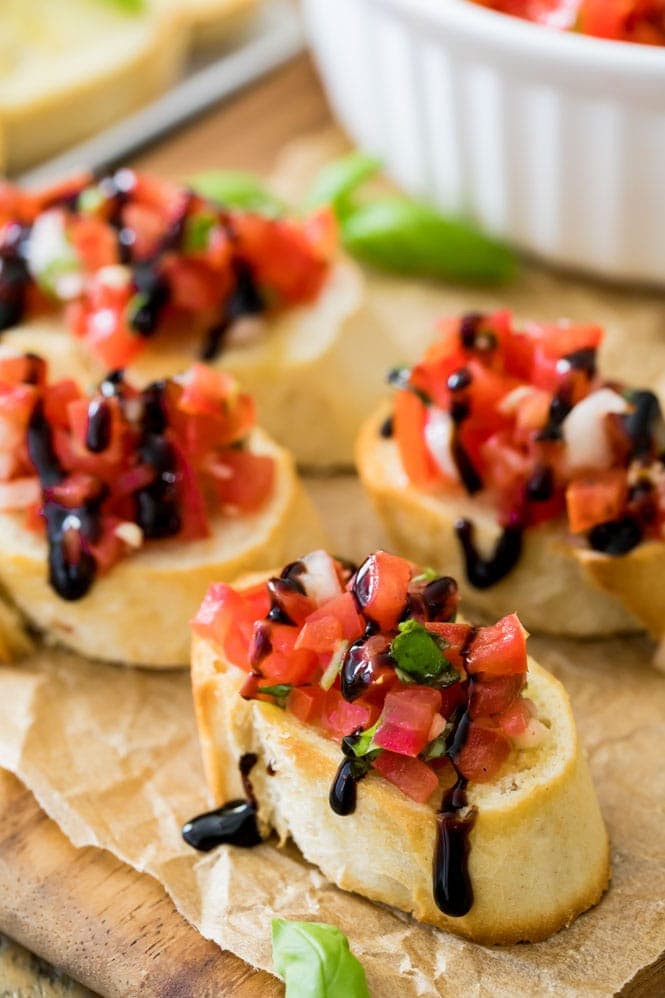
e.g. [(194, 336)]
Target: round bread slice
[(215, 21), (557, 586), (138, 613), (69, 69), (312, 369), (539, 853)]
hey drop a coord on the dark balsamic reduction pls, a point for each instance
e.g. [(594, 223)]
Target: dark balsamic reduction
[(616, 537), (387, 428), (98, 433), (560, 406), (343, 795), (579, 360), (453, 892), (233, 824), (357, 671), (540, 487), (155, 294), (261, 644), (69, 531), (459, 412), (245, 300), (640, 422), (157, 506), (485, 572), (14, 276)]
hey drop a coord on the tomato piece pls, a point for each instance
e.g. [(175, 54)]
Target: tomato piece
[(499, 650), (224, 619), (207, 391), (95, 242), (514, 720), (412, 776), (492, 695), (343, 609), (292, 603), (341, 718), (406, 719), (296, 666), (250, 479), (306, 703), (409, 421), (104, 319), (320, 635), (195, 285), (483, 753), (596, 497), (381, 587), (555, 341), (455, 636)]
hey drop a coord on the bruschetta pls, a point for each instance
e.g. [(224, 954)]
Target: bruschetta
[(417, 760), (145, 275), (507, 458), (118, 508)]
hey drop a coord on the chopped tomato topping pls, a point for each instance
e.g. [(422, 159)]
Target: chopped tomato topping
[(484, 752), (596, 497), (499, 649), (412, 776), (381, 588), (406, 720)]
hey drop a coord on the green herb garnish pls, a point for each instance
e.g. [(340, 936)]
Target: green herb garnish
[(237, 189), (427, 575), (280, 692), (438, 747), (338, 181), (361, 744), (419, 656), (129, 6), (197, 232), (315, 961)]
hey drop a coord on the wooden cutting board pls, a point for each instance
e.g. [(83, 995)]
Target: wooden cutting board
[(112, 929)]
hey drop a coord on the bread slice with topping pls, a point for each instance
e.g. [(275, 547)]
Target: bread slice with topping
[(513, 852)]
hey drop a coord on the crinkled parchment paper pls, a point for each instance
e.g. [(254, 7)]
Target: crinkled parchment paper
[(111, 754)]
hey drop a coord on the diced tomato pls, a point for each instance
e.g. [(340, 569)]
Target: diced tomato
[(223, 619), (105, 323), (195, 285), (499, 650), (95, 243), (193, 513), (515, 719), (380, 587), (455, 636), (75, 490), (294, 604), (409, 419), (17, 370), (552, 342), (407, 718), (250, 479), (306, 703), (492, 695), (412, 776), (296, 666), (452, 697), (320, 635), (207, 391), (343, 609), (596, 497), (257, 600), (484, 752), (341, 718)]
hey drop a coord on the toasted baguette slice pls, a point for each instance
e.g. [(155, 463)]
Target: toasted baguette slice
[(70, 69), (557, 587), (138, 613), (539, 852), (307, 368), (215, 21)]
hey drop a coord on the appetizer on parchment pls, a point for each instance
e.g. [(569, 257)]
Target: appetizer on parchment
[(508, 459), (118, 508), (416, 759)]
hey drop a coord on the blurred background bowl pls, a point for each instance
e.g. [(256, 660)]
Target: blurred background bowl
[(551, 140)]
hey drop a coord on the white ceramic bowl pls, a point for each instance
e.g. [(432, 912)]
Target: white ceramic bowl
[(551, 140)]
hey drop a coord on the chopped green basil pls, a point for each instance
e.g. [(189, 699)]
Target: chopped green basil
[(280, 692), (427, 575), (419, 656), (339, 180), (438, 747), (197, 232), (315, 961), (90, 199), (361, 744), (236, 189), (405, 236)]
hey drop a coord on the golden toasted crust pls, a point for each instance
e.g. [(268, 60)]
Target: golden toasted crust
[(539, 850), (138, 613), (308, 369), (554, 588), (213, 21)]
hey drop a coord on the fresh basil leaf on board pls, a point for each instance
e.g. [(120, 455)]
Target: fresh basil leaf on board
[(409, 237), (338, 181), (237, 189), (315, 961)]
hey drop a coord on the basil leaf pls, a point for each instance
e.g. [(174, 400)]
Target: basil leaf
[(418, 655), (409, 237), (197, 232), (280, 692), (236, 189), (361, 744), (427, 575), (315, 961), (438, 747), (339, 180)]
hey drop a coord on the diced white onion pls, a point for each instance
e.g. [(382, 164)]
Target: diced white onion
[(439, 430), (114, 276), (51, 258), (585, 431), (130, 534), (534, 735), (320, 579)]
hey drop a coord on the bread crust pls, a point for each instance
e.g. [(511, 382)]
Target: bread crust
[(558, 587), (308, 371), (138, 613), (539, 850)]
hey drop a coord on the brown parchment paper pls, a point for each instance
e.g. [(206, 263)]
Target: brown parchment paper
[(111, 754)]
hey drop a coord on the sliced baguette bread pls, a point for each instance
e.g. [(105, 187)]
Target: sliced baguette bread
[(558, 587), (138, 612), (538, 849)]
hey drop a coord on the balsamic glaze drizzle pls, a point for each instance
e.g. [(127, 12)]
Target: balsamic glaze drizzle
[(157, 506), (14, 276), (232, 824), (485, 572), (245, 300), (453, 891), (98, 433)]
